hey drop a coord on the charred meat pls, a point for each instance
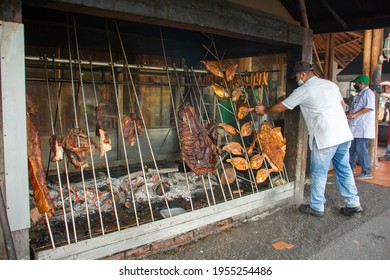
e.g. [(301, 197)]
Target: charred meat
[(214, 135), (133, 127), (36, 171), (77, 146), (55, 143), (198, 149)]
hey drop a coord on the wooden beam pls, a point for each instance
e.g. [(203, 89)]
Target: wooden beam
[(348, 43), (302, 8), (317, 58), (205, 16)]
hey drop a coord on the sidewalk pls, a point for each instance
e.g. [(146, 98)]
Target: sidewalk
[(364, 236)]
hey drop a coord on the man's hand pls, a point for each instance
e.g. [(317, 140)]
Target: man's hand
[(260, 109)]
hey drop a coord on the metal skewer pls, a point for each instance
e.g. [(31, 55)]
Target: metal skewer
[(57, 165)]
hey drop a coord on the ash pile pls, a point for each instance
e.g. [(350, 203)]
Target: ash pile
[(100, 193)]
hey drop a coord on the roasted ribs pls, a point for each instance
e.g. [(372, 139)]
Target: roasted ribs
[(197, 147)]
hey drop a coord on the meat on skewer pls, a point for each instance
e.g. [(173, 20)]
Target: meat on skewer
[(129, 129), (36, 171), (101, 132), (55, 143), (198, 149)]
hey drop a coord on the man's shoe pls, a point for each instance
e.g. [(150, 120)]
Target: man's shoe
[(363, 176), (350, 211), (384, 158), (306, 209)]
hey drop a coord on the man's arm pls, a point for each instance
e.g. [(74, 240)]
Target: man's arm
[(358, 113), (260, 109)]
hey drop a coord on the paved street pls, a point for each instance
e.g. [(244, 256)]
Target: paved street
[(364, 236)]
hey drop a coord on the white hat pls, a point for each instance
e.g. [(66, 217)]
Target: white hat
[(386, 83)]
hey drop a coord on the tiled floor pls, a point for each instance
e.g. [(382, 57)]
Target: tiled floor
[(380, 172)]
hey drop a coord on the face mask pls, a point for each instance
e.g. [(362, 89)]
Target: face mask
[(356, 87), (300, 82)]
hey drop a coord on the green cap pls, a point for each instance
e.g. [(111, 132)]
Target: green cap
[(362, 79)]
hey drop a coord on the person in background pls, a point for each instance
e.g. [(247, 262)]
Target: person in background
[(387, 103), (361, 120), (386, 93), (321, 105)]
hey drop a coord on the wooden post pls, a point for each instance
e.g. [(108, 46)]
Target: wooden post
[(331, 57), (327, 46), (375, 71), (367, 52), (376, 49)]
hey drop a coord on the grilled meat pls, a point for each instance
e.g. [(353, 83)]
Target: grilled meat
[(36, 171), (214, 135), (239, 163), (273, 145), (236, 94), (256, 161), (76, 145), (213, 68), (246, 129), (228, 128), (55, 143), (249, 150), (219, 91), (231, 72), (132, 124), (101, 132), (262, 175), (234, 148), (243, 111), (198, 149)]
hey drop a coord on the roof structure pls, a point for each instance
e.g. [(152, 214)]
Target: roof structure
[(346, 20)]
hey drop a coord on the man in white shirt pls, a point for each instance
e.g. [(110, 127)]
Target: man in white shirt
[(321, 103), (361, 120)]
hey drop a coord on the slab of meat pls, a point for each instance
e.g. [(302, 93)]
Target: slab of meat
[(198, 149), (36, 171), (129, 128), (231, 72), (101, 132), (213, 68), (273, 145), (55, 143), (76, 145), (212, 128)]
